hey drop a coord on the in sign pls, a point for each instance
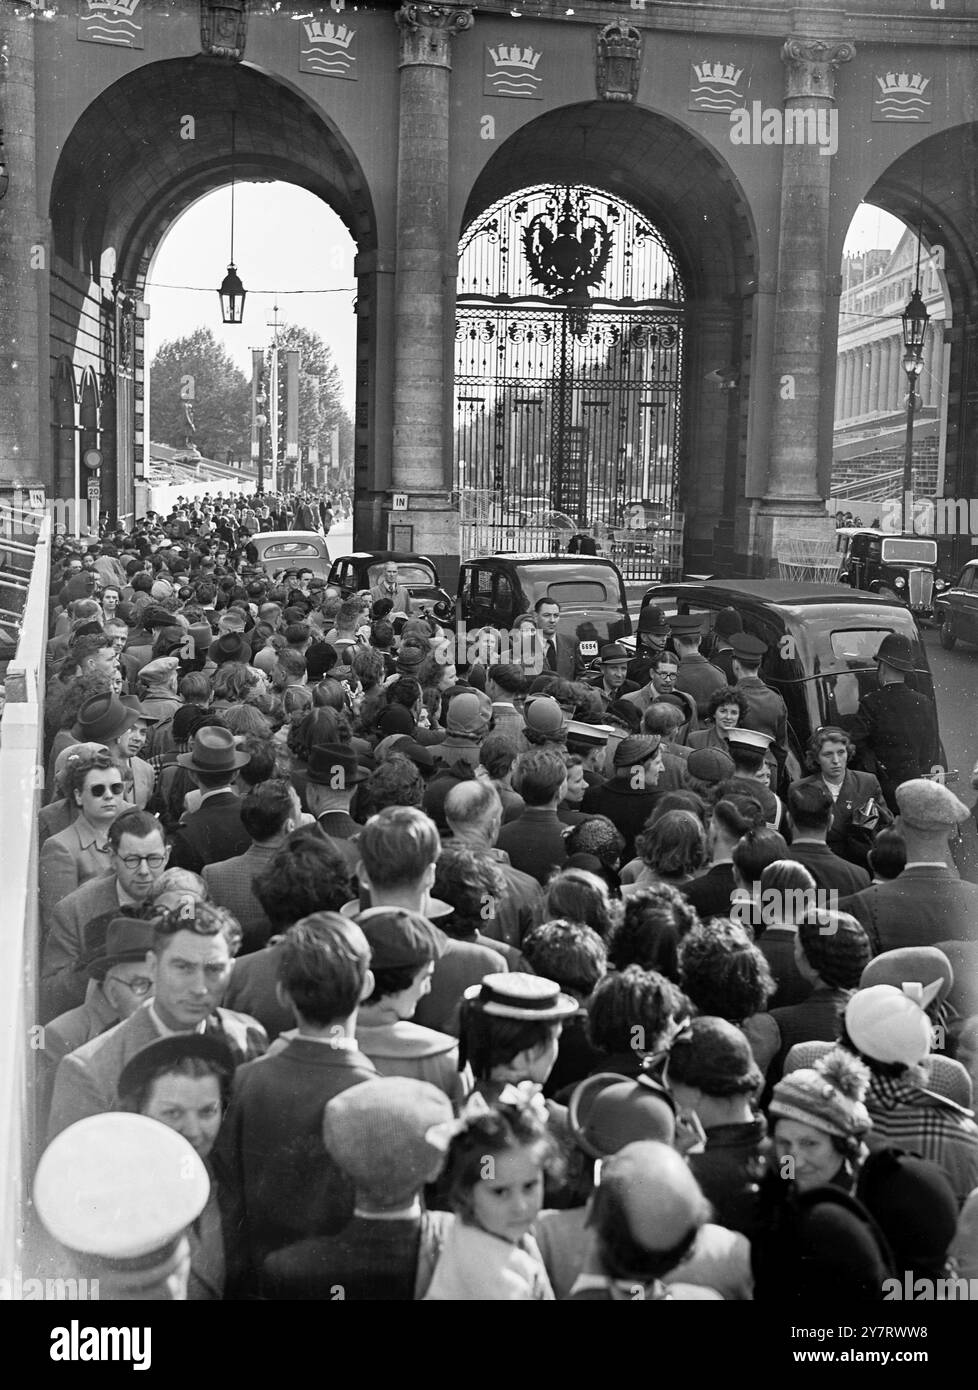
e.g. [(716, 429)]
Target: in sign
[(399, 502)]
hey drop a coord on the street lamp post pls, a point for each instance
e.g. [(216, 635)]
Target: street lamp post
[(915, 320)]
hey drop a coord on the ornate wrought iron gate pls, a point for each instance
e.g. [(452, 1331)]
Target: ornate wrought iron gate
[(568, 406)]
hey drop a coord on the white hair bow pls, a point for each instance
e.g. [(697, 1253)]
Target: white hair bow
[(526, 1095), (441, 1135)]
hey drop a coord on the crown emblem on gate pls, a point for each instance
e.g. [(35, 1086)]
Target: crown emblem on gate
[(903, 83), (318, 32), (123, 7), (724, 74), (512, 56)]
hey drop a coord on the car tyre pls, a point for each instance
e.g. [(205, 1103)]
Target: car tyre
[(948, 639)]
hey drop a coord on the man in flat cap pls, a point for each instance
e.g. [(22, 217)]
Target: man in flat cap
[(895, 727), (695, 675), (927, 903)]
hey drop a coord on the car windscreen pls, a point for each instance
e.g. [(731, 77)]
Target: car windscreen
[(407, 573), (900, 550), (291, 550)]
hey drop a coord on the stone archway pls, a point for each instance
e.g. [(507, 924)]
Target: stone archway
[(119, 184), (694, 202), (926, 189)]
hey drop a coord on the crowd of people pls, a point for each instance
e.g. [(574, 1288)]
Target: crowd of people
[(390, 973)]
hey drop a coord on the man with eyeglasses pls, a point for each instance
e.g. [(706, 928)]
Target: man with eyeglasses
[(190, 965), (118, 984), (137, 858)]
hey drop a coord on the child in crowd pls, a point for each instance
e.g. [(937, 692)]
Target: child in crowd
[(497, 1159)]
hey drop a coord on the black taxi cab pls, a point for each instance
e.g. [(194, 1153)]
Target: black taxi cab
[(364, 569), (821, 639), (494, 590), (895, 565)]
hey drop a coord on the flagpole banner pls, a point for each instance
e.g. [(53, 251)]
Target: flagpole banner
[(292, 404), (118, 22), (257, 380)]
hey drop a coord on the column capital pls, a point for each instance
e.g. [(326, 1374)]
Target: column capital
[(426, 31), (811, 65)]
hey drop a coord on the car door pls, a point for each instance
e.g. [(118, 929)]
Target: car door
[(964, 605)]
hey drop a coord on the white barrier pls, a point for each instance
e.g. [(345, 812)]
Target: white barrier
[(21, 736)]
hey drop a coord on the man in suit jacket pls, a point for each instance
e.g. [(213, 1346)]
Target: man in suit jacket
[(214, 831), (280, 1183), (553, 651), (810, 808), (611, 681), (189, 964), (269, 814), (927, 903), (474, 814), (390, 587), (137, 859), (534, 841), (117, 985)]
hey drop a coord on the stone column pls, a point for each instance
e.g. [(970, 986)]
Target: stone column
[(425, 270), (792, 506), (840, 385), (24, 253), (850, 384), (897, 375), (883, 385), (875, 356)]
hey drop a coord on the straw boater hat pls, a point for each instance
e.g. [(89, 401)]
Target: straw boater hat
[(523, 996)]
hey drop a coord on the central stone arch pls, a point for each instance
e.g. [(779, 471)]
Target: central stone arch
[(120, 183), (692, 199)]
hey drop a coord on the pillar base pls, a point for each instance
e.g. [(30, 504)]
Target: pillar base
[(777, 522), (434, 531)]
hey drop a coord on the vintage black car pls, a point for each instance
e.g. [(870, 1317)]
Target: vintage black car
[(822, 640), (956, 609), (493, 590), (364, 569), (900, 566)]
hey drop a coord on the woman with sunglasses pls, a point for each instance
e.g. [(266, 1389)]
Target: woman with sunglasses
[(94, 784)]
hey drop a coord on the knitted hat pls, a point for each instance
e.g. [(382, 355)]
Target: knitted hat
[(709, 765), (608, 1111), (187, 721), (836, 945), (409, 658), (376, 1132), (828, 1096), (713, 1056), (889, 1025), (469, 714), (543, 715)]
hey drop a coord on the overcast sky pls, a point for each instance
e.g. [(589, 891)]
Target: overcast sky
[(285, 239)]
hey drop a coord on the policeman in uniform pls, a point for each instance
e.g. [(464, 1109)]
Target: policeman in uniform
[(695, 675), (766, 711), (118, 1192), (894, 727), (651, 637)]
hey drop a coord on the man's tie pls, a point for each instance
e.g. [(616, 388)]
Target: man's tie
[(551, 654)]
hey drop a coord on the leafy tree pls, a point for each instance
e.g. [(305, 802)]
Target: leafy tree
[(222, 397)]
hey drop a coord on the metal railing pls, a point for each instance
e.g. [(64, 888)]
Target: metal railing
[(21, 737)]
